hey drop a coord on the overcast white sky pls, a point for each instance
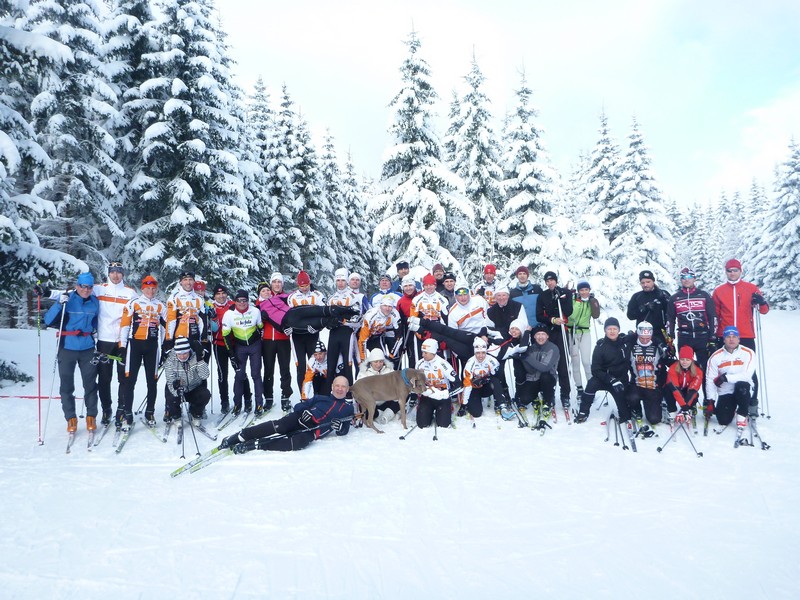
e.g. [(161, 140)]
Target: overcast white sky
[(714, 84)]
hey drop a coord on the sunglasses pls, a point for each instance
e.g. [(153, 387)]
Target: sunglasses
[(732, 270), (84, 287), (687, 276)]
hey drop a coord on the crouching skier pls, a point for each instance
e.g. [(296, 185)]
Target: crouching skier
[(186, 375), (310, 420)]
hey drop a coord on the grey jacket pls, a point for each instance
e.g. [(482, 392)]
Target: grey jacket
[(540, 359)]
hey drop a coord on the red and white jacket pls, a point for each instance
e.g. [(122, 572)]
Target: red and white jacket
[(738, 365), (113, 298), (733, 302), (469, 317)]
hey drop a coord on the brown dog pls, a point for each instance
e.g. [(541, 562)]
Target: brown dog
[(396, 385)]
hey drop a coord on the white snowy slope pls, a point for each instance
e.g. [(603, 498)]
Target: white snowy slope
[(480, 513)]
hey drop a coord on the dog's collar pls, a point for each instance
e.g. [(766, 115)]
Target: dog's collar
[(405, 379)]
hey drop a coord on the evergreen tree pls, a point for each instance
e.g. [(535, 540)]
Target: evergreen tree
[(602, 176), (363, 256), (70, 114), (641, 236), (196, 215), (416, 189), (474, 158), (525, 220), (753, 215), (704, 246), (23, 55), (778, 260)]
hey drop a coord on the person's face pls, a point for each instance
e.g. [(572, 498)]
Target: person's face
[(731, 341), (488, 277), (409, 289), (115, 277), (648, 285), (265, 293), (183, 356), (376, 365), (645, 339), (480, 354), (150, 291), (84, 291), (687, 282), (402, 272), (449, 284), (386, 310), (304, 288), (733, 274), (462, 299), (187, 283), (428, 355), (612, 332), (320, 356), (522, 277), (242, 304), (221, 297), (384, 285), (584, 293), (429, 288), (514, 332), (355, 283), (341, 284), (686, 363), (276, 286), (439, 274), (540, 337), (340, 387), (550, 283), (501, 298)]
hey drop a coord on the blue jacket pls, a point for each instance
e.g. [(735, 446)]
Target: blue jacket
[(80, 321), (325, 409)]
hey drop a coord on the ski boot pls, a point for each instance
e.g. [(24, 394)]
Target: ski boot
[(106, 419), (72, 425), (91, 424), (286, 404)]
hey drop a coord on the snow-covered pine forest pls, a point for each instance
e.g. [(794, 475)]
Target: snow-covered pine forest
[(124, 135)]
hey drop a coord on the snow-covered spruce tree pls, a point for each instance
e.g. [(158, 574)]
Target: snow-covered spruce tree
[(258, 130), (132, 35), (285, 240), (703, 245), (525, 220), (474, 157), (416, 189), (641, 236), (601, 178), (23, 56), (778, 258), (683, 220), (70, 117), (198, 214), (754, 214)]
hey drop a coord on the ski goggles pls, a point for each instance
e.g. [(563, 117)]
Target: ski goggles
[(462, 291), (115, 266)]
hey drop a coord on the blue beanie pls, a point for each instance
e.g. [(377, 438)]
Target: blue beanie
[(85, 279), (730, 330), (584, 285)]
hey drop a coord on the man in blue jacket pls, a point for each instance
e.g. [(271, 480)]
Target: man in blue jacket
[(310, 420), (76, 347)]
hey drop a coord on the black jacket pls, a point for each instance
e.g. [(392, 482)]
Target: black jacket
[(613, 359), (650, 307), (547, 307)]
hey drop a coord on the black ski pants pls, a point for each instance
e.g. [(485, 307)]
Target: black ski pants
[(296, 435), (736, 403), (222, 358), (67, 361), (304, 344), (428, 409), (105, 373), (596, 385), (650, 399), (138, 352), (280, 350), (339, 349), (528, 391)]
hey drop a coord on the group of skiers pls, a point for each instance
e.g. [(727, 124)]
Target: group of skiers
[(460, 337)]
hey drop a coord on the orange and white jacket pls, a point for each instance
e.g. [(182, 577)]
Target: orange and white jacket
[(478, 369), (469, 317), (113, 298), (738, 365), (184, 311), (429, 306), (439, 374), (314, 368), (346, 297), (376, 323), (310, 298), (142, 319)]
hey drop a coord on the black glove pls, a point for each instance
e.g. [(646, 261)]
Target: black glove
[(176, 385), (686, 409), (197, 347), (591, 294), (230, 441), (708, 408), (40, 291), (235, 363), (307, 420), (663, 349), (462, 410), (617, 385), (720, 379), (247, 446), (758, 299), (337, 425), (118, 351)]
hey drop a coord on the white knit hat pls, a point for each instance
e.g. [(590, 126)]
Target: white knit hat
[(340, 274)]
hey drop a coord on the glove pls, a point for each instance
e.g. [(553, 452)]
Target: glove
[(176, 385), (617, 385), (435, 394), (708, 408), (63, 298), (462, 410), (307, 420), (38, 290), (235, 363), (337, 425), (758, 299), (247, 446), (720, 379), (681, 417), (231, 441), (663, 349), (686, 410), (118, 351)]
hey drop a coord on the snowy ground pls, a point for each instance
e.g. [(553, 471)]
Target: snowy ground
[(480, 513)]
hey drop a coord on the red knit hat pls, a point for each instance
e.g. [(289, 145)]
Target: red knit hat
[(490, 268), (303, 278), (429, 279), (686, 352), (733, 264)]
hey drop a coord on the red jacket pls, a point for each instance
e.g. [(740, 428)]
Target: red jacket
[(733, 302), (220, 311), (275, 308), (683, 381)]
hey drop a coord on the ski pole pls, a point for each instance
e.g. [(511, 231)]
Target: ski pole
[(699, 454), (185, 404), (672, 435), (53, 377), (622, 434), (762, 363), (435, 429), (404, 436), (39, 360)]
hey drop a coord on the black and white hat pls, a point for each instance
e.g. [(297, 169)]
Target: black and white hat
[(182, 345), (320, 347)]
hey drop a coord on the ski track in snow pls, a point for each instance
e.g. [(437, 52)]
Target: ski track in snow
[(479, 513)]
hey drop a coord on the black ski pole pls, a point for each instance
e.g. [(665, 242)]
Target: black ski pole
[(672, 435), (435, 429), (191, 420), (699, 454), (408, 433)]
